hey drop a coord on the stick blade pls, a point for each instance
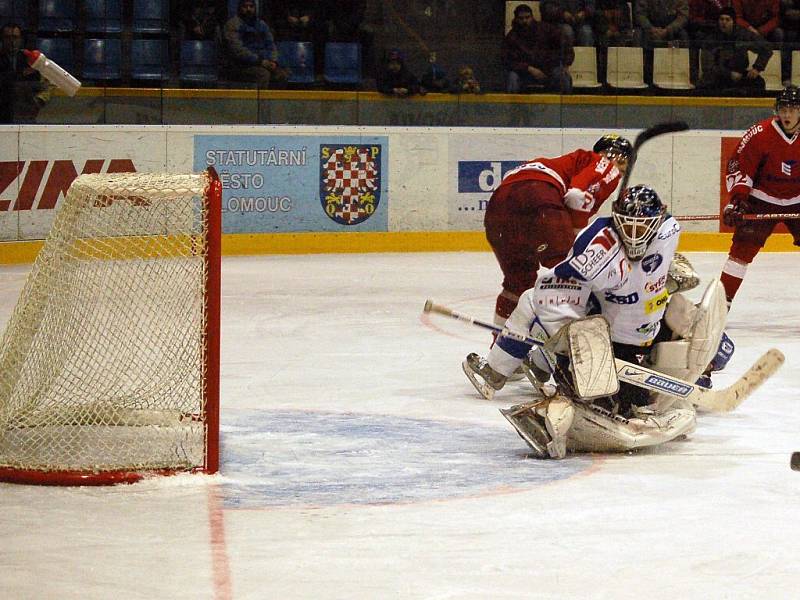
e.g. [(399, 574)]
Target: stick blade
[(727, 399), (660, 129)]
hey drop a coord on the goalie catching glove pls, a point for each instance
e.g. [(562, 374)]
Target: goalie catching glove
[(681, 276)]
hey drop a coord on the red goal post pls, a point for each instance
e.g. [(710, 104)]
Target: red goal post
[(109, 365)]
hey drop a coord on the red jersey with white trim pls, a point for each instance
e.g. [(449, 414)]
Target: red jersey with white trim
[(586, 179), (766, 165)]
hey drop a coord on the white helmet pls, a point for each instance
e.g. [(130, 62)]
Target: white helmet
[(637, 215)]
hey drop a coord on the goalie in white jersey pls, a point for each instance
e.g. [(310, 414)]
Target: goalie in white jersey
[(619, 267)]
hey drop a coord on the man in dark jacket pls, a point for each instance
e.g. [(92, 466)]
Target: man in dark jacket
[(395, 79), (725, 62), (251, 50), (538, 54), (22, 91)]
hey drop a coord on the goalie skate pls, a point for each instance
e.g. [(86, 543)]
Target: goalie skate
[(543, 425), (485, 379), (530, 428)]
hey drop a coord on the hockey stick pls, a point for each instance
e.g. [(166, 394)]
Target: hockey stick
[(645, 136), (722, 400), (746, 217)]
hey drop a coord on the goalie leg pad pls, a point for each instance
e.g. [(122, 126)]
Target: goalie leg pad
[(702, 329), (596, 430)]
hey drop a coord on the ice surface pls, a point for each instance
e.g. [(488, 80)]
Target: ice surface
[(358, 462)]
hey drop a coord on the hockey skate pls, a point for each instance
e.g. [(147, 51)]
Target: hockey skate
[(543, 425), (485, 379), (536, 375)]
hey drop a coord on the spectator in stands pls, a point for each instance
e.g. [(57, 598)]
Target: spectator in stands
[(394, 79), (762, 17), (251, 51), (703, 17), (434, 79), (22, 91), (199, 20), (661, 23), (612, 27), (466, 83), (298, 21), (577, 16), (612, 23), (726, 64), (538, 55), (790, 22), (346, 22), (302, 21)]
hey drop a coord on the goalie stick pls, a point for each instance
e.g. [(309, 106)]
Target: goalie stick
[(721, 400), (645, 136)]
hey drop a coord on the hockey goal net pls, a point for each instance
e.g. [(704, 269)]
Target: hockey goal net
[(109, 365)]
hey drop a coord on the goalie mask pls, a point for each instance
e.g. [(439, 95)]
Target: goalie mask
[(637, 215)]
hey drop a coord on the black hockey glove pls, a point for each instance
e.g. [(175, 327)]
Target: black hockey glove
[(734, 211)]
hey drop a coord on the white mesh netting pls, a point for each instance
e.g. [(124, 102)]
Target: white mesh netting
[(102, 362)]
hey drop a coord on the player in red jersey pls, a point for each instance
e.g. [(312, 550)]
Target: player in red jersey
[(532, 218), (763, 177)]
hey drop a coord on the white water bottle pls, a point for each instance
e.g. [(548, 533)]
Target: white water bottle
[(51, 71)]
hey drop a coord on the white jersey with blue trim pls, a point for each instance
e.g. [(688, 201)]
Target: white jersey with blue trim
[(632, 294)]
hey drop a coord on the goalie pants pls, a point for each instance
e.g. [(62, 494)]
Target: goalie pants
[(631, 395), (526, 225)]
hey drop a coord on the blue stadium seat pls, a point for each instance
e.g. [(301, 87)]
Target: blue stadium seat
[(14, 11), (343, 62), (150, 16), (103, 16), (198, 62), (102, 59), (57, 15), (59, 50), (150, 60), (298, 57)]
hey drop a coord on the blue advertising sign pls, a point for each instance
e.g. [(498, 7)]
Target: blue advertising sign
[(286, 183), (480, 176)]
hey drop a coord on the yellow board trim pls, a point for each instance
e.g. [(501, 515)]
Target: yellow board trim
[(239, 244), (371, 96)]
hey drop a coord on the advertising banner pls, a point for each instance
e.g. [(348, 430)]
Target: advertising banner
[(285, 183)]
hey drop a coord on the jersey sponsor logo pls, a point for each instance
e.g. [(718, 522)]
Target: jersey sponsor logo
[(652, 262), (657, 382), (558, 283), (58, 175), (786, 167), (647, 329), (665, 235), (555, 299), (631, 298), (480, 176), (656, 303), (653, 287), (596, 256), (350, 182)]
